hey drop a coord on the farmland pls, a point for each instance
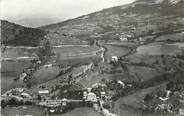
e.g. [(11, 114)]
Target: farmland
[(109, 60), (82, 112), (129, 105), (159, 49), (23, 110), (116, 50), (11, 69)]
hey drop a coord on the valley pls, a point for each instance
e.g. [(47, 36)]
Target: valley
[(116, 62)]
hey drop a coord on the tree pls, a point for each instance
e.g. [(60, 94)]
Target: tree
[(45, 51), (3, 103)]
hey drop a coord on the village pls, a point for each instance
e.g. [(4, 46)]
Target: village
[(60, 99), (65, 93), (122, 60)]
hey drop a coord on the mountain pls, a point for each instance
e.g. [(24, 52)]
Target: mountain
[(140, 17), (17, 35)]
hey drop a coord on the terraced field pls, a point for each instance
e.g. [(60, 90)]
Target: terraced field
[(159, 49), (116, 50), (11, 69), (23, 110)]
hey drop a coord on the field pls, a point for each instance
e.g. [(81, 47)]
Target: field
[(19, 52), (171, 37), (63, 52), (8, 83), (12, 69), (9, 71), (138, 58), (129, 105), (22, 111), (159, 49), (44, 75), (143, 72), (75, 52), (84, 111), (115, 50)]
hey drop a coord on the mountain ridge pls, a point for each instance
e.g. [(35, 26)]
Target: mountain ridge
[(109, 23), (17, 35)]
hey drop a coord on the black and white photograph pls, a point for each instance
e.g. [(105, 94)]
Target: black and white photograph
[(92, 57)]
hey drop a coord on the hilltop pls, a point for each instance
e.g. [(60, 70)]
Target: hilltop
[(17, 35), (138, 18)]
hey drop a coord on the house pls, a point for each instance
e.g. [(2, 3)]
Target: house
[(17, 98), (102, 94), (121, 83), (38, 62), (64, 102), (50, 103), (129, 36), (123, 39), (91, 97), (114, 58), (84, 95), (20, 89), (22, 76), (43, 94), (47, 65), (25, 95), (43, 91), (96, 85), (89, 89)]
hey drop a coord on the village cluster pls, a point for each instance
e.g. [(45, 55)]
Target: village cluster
[(97, 97)]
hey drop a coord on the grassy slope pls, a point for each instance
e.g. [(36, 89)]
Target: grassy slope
[(82, 112), (16, 35), (31, 110), (108, 23), (128, 105)]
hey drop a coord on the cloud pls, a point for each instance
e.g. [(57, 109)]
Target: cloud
[(33, 12)]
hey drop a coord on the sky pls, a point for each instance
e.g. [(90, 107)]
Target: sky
[(34, 13)]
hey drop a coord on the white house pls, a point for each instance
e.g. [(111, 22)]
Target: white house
[(64, 102), (123, 39), (102, 94), (22, 76), (25, 95), (121, 83), (39, 62), (43, 91), (89, 89), (91, 97), (129, 36), (114, 58), (47, 66), (84, 95)]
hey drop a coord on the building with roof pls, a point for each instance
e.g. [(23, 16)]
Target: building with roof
[(91, 97), (114, 58)]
